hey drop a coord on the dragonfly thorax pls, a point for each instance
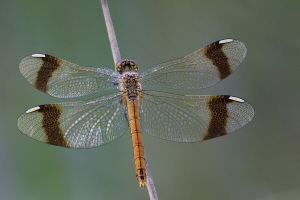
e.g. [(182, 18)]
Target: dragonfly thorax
[(130, 84), (126, 66)]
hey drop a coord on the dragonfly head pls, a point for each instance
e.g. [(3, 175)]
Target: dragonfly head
[(126, 65)]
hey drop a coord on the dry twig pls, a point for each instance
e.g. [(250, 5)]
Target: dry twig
[(117, 57)]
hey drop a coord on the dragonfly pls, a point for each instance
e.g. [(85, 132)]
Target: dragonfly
[(136, 101)]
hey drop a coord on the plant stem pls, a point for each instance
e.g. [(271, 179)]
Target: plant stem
[(111, 32), (150, 184), (117, 57)]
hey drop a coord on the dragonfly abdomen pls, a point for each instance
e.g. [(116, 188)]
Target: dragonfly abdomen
[(137, 143)]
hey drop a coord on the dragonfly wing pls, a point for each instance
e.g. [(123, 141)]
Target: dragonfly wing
[(192, 118), (63, 79), (200, 69), (82, 124)]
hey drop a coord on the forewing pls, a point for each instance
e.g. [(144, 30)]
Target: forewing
[(200, 69), (192, 118), (82, 124), (60, 78)]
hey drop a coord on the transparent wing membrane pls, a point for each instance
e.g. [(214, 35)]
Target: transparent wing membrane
[(200, 69), (63, 79), (192, 118), (82, 124)]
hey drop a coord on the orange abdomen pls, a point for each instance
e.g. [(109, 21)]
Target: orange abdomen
[(137, 143)]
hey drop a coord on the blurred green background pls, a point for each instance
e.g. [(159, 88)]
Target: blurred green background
[(260, 161)]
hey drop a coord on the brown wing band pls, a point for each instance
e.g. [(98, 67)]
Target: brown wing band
[(219, 59), (51, 125), (219, 116), (50, 64)]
